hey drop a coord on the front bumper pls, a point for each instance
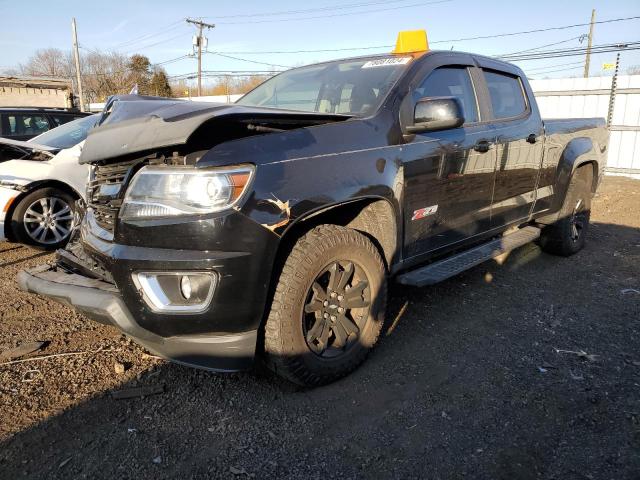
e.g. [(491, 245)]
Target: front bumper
[(101, 301), (7, 195)]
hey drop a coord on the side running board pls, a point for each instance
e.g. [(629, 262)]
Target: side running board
[(441, 270)]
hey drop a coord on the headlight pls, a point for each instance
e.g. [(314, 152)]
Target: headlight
[(162, 191)]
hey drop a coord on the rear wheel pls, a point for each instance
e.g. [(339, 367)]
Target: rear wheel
[(44, 218), (328, 307), (567, 235)]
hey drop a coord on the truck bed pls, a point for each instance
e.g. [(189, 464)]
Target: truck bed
[(571, 125)]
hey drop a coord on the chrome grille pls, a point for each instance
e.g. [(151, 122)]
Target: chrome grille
[(105, 216), (105, 190)]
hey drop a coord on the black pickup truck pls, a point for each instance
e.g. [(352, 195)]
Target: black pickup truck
[(217, 233)]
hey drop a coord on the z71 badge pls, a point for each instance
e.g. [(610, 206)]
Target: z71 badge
[(424, 212)]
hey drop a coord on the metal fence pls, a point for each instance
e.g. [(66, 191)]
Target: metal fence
[(589, 97)]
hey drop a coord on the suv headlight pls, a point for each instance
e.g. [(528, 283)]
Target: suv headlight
[(170, 191)]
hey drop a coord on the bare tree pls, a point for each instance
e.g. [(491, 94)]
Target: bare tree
[(104, 74), (111, 73), (10, 72), (48, 62), (224, 85)]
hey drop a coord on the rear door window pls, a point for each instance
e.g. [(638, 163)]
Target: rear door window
[(451, 82), (506, 94), (61, 119), (24, 124)]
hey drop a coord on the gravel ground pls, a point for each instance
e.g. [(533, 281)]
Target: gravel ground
[(470, 381)]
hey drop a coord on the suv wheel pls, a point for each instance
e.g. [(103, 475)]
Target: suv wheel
[(567, 235), (328, 307), (44, 218)]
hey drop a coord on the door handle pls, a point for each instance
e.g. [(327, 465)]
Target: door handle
[(532, 138), (483, 146)]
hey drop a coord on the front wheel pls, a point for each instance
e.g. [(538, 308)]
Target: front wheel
[(328, 307), (44, 218)]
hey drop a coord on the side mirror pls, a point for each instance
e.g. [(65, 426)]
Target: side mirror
[(436, 113)]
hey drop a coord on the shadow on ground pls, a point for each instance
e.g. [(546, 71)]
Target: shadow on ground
[(468, 381)]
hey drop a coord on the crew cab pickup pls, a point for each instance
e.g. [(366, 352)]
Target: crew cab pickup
[(215, 234)]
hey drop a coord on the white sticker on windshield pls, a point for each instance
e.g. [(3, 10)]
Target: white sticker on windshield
[(387, 62)]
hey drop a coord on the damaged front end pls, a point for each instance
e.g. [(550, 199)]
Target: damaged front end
[(139, 132), (164, 250), (19, 150)]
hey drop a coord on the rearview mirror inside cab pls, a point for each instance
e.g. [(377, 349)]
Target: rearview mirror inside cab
[(436, 113)]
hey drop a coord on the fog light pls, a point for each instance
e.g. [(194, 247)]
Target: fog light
[(176, 292), (185, 287)]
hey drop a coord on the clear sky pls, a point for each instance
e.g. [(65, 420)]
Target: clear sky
[(157, 29)]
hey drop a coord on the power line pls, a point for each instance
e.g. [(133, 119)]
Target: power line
[(560, 70), (247, 60), (166, 62), (246, 52), (177, 24), (537, 55), (143, 47), (543, 54), (147, 36), (464, 39), (555, 71), (538, 30), (309, 10), (336, 15), (228, 72), (547, 45), (193, 75), (553, 66), (344, 49)]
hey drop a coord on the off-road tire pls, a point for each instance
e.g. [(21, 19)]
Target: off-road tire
[(560, 238), (285, 349), (19, 229)]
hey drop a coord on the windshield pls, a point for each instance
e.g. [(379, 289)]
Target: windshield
[(350, 87), (67, 135)]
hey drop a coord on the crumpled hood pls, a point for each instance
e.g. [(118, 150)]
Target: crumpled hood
[(133, 123)]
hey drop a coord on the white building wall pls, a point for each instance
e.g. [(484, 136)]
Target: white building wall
[(33, 97), (589, 97)]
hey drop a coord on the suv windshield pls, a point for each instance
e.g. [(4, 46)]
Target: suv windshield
[(350, 87), (67, 135)]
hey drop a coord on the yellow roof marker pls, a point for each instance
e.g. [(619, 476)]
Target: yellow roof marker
[(411, 41)]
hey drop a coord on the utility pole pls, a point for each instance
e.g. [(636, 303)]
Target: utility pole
[(588, 59), (77, 58), (201, 25)]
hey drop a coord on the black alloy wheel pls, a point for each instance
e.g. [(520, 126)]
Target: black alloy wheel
[(579, 221), (337, 308), (328, 306)]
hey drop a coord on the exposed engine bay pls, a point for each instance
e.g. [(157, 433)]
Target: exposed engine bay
[(138, 125)]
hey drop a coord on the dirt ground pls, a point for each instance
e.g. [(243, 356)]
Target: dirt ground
[(525, 369)]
